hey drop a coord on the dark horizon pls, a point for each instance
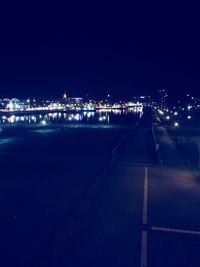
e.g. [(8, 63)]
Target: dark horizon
[(98, 51)]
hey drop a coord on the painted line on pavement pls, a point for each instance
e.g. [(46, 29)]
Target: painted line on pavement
[(143, 262), (145, 201), (181, 231)]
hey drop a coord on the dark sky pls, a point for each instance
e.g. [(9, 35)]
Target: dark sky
[(98, 49)]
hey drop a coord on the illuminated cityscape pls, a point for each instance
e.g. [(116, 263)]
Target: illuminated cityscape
[(76, 109), (99, 134), (65, 104)]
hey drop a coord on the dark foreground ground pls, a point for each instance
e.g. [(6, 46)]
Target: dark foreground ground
[(135, 213), (44, 172)]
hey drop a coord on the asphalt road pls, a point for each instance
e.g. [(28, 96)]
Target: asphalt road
[(145, 215), (137, 214), (44, 172)]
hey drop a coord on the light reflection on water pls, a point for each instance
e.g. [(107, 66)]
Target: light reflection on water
[(101, 116)]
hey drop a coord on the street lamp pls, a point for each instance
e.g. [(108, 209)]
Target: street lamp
[(176, 124)]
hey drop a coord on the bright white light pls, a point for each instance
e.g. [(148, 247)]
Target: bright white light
[(189, 117), (77, 117), (176, 124), (168, 117), (175, 113), (12, 119), (43, 122), (10, 105), (103, 118)]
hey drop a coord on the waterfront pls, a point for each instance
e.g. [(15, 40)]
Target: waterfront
[(44, 170), (115, 116)]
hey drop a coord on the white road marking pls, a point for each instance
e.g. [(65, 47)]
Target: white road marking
[(145, 201), (143, 262), (181, 231)]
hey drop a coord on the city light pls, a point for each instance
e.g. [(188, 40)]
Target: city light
[(72, 104), (43, 122), (103, 118)]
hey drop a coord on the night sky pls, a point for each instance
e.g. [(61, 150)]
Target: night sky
[(98, 49)]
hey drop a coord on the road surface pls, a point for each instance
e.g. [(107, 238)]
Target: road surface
[(145, 215), (135, 214)]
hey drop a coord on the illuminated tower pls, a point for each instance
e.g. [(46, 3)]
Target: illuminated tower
[(65, 95)]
